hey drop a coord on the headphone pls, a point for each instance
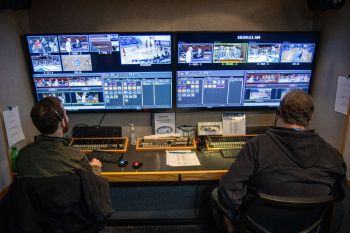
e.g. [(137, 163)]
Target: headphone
[(53, 110), (277, 115)]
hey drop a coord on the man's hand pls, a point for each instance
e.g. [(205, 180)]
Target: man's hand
[(95, 162)]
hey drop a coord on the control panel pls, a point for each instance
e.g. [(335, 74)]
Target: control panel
[(226, 142), (96, 131), (257, 129), (156, 144), (113, 144)]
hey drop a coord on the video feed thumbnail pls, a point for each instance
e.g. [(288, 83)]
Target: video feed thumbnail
[(294, 78), (264, 53), (297, 52), (76, 62), (262, 78), (73, 43), (43, 44), (86, 97), (285, 91), (85, 81), (46, 63), (59, 95), (230, 52), (151, 49), (104, 43), (260, 94), (51, 82), (195, 53)]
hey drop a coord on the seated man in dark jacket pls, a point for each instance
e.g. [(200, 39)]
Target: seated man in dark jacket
[(285, 161)]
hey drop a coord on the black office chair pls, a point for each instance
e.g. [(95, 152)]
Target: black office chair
[(272, 214), (59, 204)]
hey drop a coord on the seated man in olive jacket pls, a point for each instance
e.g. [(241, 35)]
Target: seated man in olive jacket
[(50, 154)]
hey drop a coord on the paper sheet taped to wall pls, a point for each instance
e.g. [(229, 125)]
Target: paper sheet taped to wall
[(343, 95), (5, 171), (13, 126)]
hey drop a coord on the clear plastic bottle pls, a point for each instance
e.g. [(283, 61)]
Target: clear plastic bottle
[(132, 135)]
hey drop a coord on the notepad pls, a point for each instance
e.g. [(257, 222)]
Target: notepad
[(180, 158)]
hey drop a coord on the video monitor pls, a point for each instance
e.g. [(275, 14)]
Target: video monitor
[(243, 70), (94, 72)]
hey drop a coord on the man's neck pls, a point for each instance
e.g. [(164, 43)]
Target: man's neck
[(292, 126), (58, 133)]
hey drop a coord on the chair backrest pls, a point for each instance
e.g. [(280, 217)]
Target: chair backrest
[(50, 204), (270, 214)]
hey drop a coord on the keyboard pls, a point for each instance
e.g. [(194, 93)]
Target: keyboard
[(230, 153), (259, 129), (105, 157)]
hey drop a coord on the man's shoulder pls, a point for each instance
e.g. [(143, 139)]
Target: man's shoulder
[(327, 148), (28, 147)]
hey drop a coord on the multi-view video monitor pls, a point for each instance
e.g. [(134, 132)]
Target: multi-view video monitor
[(153, 70), (103, 71), (241, 70)]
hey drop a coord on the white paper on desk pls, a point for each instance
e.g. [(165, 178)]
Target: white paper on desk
[(182, 158), (343, 95), (13, 126)]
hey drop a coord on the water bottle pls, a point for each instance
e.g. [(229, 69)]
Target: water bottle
[(132, 135), (14, 154)]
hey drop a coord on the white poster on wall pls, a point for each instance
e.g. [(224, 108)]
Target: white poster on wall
[(343, 95), (5, 172), (13, 126)]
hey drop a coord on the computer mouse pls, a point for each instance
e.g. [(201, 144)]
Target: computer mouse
[(122, 163), (137, 165)]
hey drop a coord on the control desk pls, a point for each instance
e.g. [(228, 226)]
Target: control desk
[(157, 183), (167, 192), (151, 153)]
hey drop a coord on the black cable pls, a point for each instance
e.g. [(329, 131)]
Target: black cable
[(103, 116), (276, 118)]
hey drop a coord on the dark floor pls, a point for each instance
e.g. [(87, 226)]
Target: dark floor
[(159, 229), (341, 223)]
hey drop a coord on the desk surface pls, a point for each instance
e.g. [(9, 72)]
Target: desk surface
[(154, 168)]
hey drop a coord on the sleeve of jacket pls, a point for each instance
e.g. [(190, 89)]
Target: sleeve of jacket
[(233, 185), (341, 183)]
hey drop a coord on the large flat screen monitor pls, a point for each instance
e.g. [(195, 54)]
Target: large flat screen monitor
[(241, 70), (103, 71)]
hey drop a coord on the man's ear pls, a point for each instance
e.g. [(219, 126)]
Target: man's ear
[(63, 123), (278, 113)]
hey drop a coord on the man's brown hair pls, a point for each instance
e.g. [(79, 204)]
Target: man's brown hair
[(296, 107), (47, 114)]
